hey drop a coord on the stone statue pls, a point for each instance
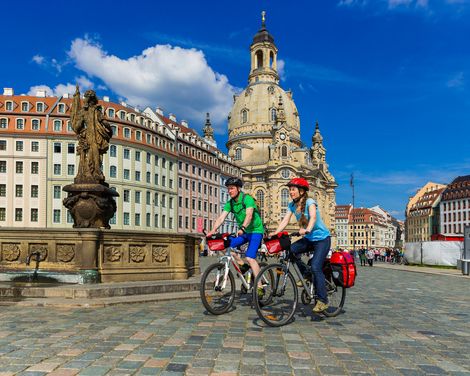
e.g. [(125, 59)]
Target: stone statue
[(90, 200), (93, 134)]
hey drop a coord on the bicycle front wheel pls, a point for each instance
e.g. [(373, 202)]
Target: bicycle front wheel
[(277, 302), (216, 297), (336, 297)]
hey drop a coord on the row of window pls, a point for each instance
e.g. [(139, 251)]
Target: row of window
[(461, 204), (20, 124), (199, 154), (34, 189), (198, 171), (200, 205), (19, 146), (199, 186), (193, 223), (454, 217), (19, 167), (34, 215), (56, 218), (40, 107), (457, 228)]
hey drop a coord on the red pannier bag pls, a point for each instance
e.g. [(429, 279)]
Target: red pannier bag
[(218, 242), (277, 243), (343, 269)]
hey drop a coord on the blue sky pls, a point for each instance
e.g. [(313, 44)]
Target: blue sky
[(388, 80)]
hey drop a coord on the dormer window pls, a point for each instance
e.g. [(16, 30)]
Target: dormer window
[(133, 118), (24, 106), (35, 124), (57, 126), (9, 106), (40, 107), (111, 112), (20, 124), (61, 108), (122, 115)]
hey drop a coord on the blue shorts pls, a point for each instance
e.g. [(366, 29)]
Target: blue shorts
[(254, 242)]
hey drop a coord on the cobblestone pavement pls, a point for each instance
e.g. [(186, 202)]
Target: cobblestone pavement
[(394, 323)]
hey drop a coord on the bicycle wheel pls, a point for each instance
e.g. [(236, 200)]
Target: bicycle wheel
[(277, 305), (336, 297), (216, 298)]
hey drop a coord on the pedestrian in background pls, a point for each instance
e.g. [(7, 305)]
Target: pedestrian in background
[(370, 257)]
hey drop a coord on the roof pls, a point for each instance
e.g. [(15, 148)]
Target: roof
[(459, 188)]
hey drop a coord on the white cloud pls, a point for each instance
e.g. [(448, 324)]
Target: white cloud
[(38, 59), (457, 81), (52, 65), (281, 69), (177, 79), (61, 89)]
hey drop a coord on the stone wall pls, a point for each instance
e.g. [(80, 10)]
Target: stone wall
[(93, 255)]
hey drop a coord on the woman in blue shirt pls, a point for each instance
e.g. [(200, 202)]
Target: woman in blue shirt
[(315, 236)]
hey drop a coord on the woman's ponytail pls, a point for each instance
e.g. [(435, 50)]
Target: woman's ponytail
[(303, 222)]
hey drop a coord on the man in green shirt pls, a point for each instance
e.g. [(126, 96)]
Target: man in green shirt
[(250, 225)]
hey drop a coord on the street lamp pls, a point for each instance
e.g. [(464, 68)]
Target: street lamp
[(367, 240)]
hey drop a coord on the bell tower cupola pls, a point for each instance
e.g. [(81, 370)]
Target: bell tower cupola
[(263, 56)]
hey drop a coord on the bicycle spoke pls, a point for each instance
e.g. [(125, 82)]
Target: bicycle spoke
[(217, 293), (277, 304)]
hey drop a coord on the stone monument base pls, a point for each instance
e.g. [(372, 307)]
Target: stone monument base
[(95, 255), (91, 205)]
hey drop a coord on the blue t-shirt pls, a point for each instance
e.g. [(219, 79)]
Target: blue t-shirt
[(319, 231)]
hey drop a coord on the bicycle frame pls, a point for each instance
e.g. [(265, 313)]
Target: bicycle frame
[(227, 259), (308, 289)]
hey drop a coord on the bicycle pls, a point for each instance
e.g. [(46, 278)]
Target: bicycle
[(277, 304), (218, 283)]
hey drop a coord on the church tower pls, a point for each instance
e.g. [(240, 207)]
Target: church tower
[(264, 139)]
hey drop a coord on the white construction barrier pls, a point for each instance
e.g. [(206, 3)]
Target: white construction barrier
[(434, 253)]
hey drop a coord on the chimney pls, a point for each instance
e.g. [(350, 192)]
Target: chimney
[(159, 111), (172, 117), (106, 98), (8, 91), (66, 95), (41, 93), (184, 123), (123, 104)]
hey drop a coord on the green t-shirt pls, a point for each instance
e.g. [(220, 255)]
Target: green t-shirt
[(256, 224)]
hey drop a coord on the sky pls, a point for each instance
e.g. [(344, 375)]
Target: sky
[(387, 80)]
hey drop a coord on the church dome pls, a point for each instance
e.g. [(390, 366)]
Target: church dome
[(256, 108)]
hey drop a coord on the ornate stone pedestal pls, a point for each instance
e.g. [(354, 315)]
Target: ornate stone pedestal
[(91, 205)]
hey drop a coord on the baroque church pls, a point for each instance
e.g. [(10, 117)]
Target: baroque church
[(264, 140)]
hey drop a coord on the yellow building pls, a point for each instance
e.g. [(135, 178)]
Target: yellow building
[(422, 213), (264, 140)]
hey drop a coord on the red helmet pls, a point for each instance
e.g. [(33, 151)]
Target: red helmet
[(299, 183)]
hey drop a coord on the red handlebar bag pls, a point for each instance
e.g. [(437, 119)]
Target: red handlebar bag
[(218, 242), (277, 243)]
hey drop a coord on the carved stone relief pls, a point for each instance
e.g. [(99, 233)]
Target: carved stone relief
[(65, 252), (159, 254), (11, 252), (112, 253), (137, 253)]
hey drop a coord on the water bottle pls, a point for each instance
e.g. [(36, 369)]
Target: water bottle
[(248, 277)]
